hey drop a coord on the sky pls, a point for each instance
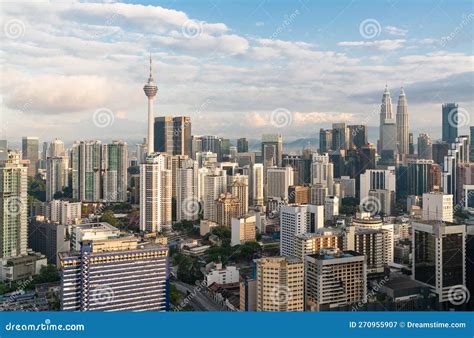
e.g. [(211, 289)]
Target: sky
[(76, 70)]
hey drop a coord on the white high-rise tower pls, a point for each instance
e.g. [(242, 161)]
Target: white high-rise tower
[(402, 124), (150, 90)]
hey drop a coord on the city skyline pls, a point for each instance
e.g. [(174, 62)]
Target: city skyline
[(109, 46)]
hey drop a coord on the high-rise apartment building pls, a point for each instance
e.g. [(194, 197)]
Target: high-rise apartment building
[(155, 193), (114, 169), (187, 198), (13, 206), (57, 173), (214, 184)]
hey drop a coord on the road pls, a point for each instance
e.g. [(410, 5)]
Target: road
[(198, 300)]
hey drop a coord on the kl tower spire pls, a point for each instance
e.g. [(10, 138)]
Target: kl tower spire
[(150, 90)]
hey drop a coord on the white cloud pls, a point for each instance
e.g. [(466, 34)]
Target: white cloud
[(377, 44), (395, 31)]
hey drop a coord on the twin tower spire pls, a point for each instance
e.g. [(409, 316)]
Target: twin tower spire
[(400, 146)]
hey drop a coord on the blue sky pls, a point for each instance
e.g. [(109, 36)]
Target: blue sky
[(238, 68)]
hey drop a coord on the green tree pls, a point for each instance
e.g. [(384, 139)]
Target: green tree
[(108, 216)]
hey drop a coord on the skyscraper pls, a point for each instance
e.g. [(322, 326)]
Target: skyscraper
[(57, 174), (172, 135), (278, 182), (242, 145), (13, 211), (385, 114), (187, 199), (272, 150), (155, 193), (86, 170), (30, 152), (418, 176), (325, 140), (256, 184), (114, 169), (150, 90), (56, 148), (425, 147), (402, 124), (439, 256), (450, 122)]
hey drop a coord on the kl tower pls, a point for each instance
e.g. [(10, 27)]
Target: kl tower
[(150, 90)]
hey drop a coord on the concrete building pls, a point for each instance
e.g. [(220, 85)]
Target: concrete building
[(335, 278), (318, 194), (48, 238), (57, 173), (437, 206), (373, 179), (91, 232), (278, 182), (439, 256), (221, 275), (243, 229), (119, 274), (172, 135), (312, 242), (331, 207), (187, 198), (248, 295), (227, 207), (214, 184), (280, 284), (297, 220)]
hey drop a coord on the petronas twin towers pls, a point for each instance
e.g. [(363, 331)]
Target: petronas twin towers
[(393, 132)]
